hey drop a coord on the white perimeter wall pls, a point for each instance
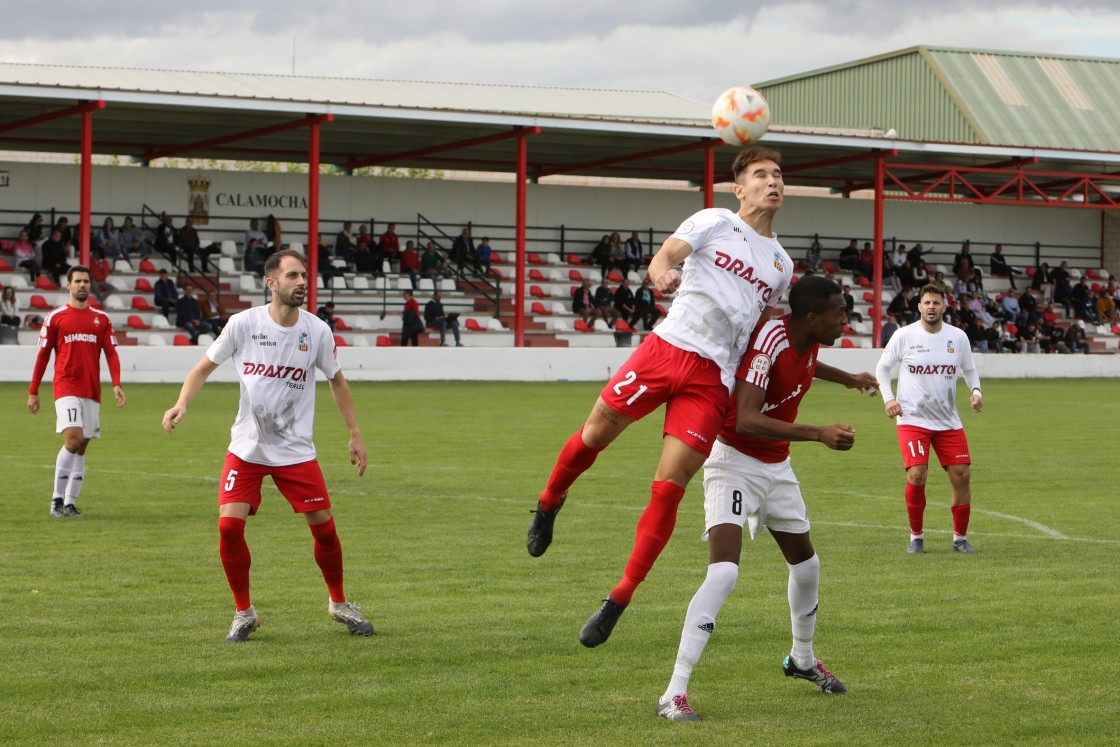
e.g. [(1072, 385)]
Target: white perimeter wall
[(120, 191), (141, 364)]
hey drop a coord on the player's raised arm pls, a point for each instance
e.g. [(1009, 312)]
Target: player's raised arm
[(864, 382), (663, 267), (344, 400), (751, 421), (191, 386)]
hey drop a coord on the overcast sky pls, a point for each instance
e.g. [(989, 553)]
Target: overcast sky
[(695, 48)]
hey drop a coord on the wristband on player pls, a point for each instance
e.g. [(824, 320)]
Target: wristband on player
[(976, 391)]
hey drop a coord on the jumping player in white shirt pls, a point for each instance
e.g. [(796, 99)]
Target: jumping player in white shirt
[(276, 349), (748, 480), (734, 269), (930, 355)]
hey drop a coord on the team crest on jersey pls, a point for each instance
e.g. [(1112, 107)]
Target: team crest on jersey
[(303, 340), (97, 321), (686, 227), (949, 346), (760, 363), (778, 263)]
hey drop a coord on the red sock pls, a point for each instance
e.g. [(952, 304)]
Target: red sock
[(328, 554), (653, 533), (916, 506), (960, 519), (575, 458), (236, 560)]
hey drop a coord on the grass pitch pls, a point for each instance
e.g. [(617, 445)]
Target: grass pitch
[(112, 625)]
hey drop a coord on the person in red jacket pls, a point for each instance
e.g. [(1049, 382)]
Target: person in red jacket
[(77, 335)]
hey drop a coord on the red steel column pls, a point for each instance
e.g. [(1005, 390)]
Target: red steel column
[(877, 262), (313, 218), (710, 173), (519, 241), (85, 183)]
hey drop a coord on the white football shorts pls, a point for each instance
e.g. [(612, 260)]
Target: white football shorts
[(739, 489), (78, 412)]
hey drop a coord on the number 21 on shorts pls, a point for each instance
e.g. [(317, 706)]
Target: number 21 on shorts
[(629, 379)]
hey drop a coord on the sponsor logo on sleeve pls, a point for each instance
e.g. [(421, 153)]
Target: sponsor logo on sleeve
[(686, 227)]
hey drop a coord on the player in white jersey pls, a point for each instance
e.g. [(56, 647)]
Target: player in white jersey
[(930, 356), (734, 269), (276, 349)]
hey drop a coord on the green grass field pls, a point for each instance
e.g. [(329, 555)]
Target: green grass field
[(112, 625)]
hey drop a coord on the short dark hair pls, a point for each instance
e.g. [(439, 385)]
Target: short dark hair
[(272, 264), (932, 289), (811, 295), (77, 268), (750, 155)]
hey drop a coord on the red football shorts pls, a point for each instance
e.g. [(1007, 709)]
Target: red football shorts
[(915, 442), (302, 484), (688, 384)]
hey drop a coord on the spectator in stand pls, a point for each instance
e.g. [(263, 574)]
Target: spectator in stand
[(1085, 308), (132, 238), (188, 315), (410, 264), (345, 244), (34, 230), (1010, 306), (326, 313), (9, 308), (624, 303), (867, 262), (462, 250), (849, 258), (604, 302), (391, 245), (436, 318), (363, 233), (900, 307), (255, 232), (327, 270), (1076, 339), (1106, 307), (1051, 338), (1059, 278), (814, 260), (1029, 339), (273, 233), (411, 323), (601, 255), (433, 264), (998, 267), (1041, 282), (99, 271), (996, 336), (888, 330), (978, 336), (24, 254), (189, 243), (67, 236), (919, 274), (364, 262), (964, 253), (254, 258), (645, 306), (917, 252), (635, 253), (893, 263), (54, 257), (1027, 305), (108, 240), (583, 302), (1113, 289), (166, 294), (212, 311), (167, 239), (617, 253), (966, 277), (482, 256), (850, 304), (939, 283)]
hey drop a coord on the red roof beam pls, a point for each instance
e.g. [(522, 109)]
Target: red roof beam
[(357, 163), (570, 168), (82, 108), (295, 124), (795, 168)]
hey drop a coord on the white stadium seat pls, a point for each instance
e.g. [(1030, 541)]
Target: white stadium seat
[(360, 282), (159, 321), (122, 266), (225, 265), (247, 283), (157, 339), (229, 248), (114, 303), (296, 246)]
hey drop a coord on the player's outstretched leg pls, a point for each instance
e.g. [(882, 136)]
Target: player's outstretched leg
[(816, 674), (244, 623), (236, 562), (598, 627), (349, 615), (677, 709), (960, 528), (915, 512), (575, 458)]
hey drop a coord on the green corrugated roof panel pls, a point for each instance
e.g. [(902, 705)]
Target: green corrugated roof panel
[(961, 95)]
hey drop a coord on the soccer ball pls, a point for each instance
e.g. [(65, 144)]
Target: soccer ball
[(740, 115)]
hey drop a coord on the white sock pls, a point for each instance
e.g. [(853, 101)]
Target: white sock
[(959, 536), (62, 466), (921, 536), (77, 476), (804, 580), (699, 622)]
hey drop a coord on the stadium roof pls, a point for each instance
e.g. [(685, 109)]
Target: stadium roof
[(149, 114)]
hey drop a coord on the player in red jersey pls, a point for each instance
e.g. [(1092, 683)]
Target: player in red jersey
[(748, 479), (734, 270), (77, 334), (276, 350)]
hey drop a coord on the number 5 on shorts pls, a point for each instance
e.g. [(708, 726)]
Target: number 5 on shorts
[(629, 379), (231, 477)]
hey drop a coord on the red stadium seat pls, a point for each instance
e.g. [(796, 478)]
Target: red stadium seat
[(575, 260), (495, 258), (658, 295), (140, 303), (143, 284), (540, 310), (147, 267), (846, 343), (828, 266), (1096, 287), (7, 246), (181, 340), (1092, 274), (383, 341), (864, 282), (39, 302), (340, 342), (581, 326), (4, 266), (1031, 271), (614, 276), (1012, 329), (340, 324), (661, 308), (537, 292), (497, 273), (135, 322), (535, 259), (474, 326), (44, 282), (869, 297), (848, 330), (535, 274), (575, 275), (622, 326), (793, 280)]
